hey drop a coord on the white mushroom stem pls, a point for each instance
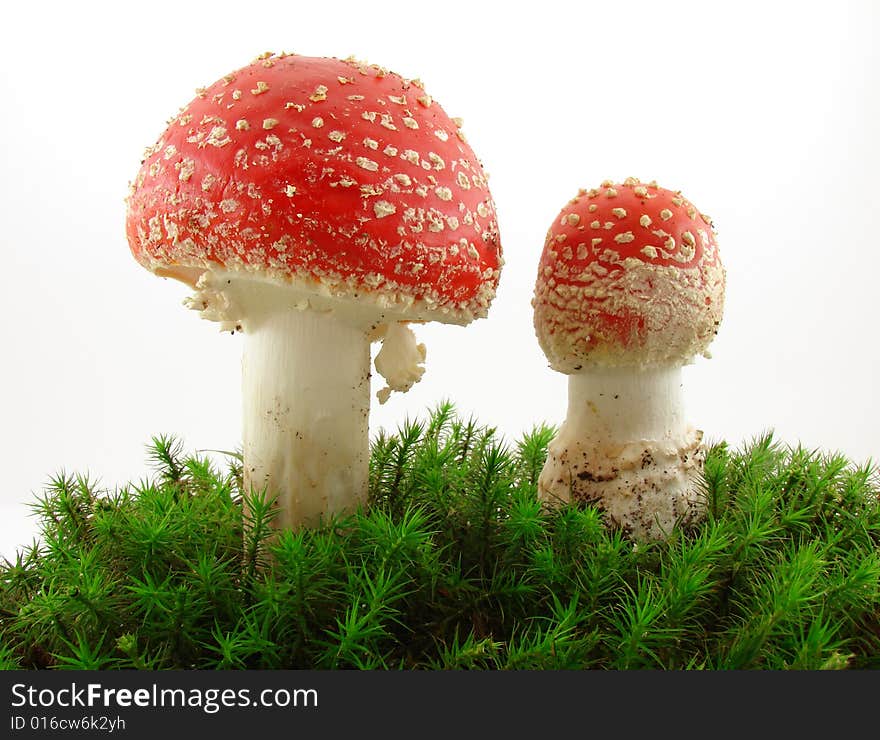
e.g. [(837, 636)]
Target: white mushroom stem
[(306, 384), (626, 446), (625, 404), (306, 392)]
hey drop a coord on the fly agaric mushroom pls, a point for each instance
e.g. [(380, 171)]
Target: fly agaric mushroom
[(317, 205), (630, 288)]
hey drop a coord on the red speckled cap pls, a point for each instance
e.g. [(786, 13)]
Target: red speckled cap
[(630, 275), (321, 173)]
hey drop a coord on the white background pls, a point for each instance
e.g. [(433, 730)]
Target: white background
[(765, 114)]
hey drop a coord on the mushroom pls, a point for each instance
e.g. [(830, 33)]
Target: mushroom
[(317, 205), (630, 288)]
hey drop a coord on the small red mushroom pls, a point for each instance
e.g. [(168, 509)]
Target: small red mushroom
[(630, 288), (316, 205)]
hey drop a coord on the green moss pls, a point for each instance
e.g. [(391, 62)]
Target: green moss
[(452, 565)]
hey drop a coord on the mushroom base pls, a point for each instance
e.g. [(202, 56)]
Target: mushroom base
[(644, 488)]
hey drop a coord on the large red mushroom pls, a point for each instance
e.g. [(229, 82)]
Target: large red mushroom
[(317, 205), (630, 288)]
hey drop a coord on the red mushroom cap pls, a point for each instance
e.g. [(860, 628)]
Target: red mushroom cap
[(323, 173), (630, 275)]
